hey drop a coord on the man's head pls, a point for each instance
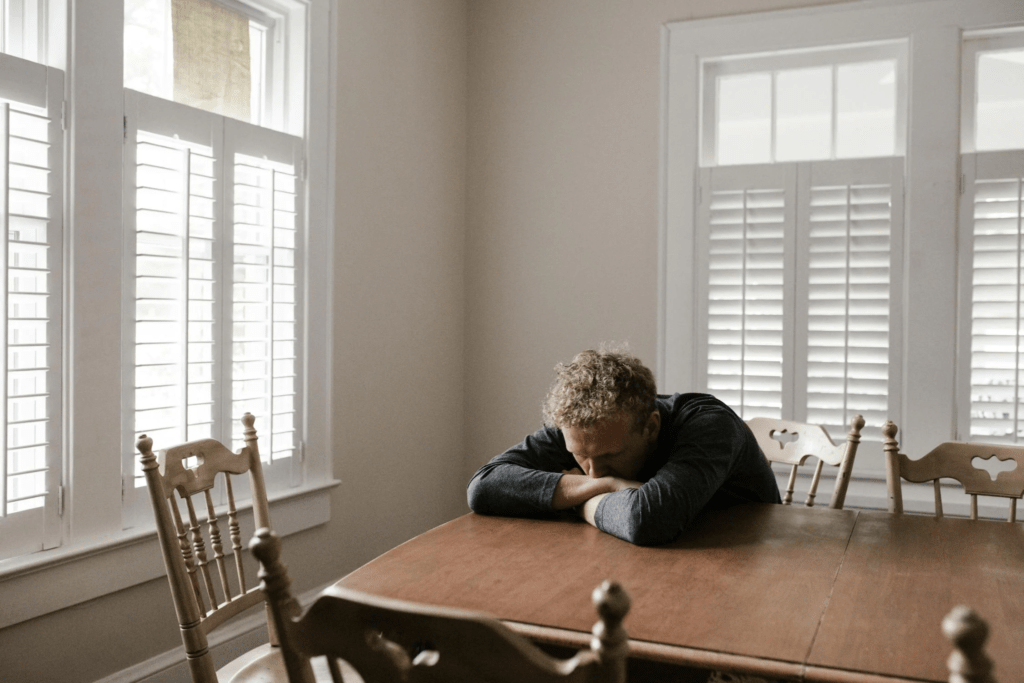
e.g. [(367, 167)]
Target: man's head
[(604, 403)]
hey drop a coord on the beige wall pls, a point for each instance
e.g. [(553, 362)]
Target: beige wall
[(562, 210), (398, 334), (496, 211)]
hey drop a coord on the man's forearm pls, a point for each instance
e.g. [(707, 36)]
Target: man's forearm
[(576, 489)]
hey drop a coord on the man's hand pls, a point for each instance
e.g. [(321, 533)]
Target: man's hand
[(576, 489)]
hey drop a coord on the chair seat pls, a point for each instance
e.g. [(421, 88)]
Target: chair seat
[(266, 665)]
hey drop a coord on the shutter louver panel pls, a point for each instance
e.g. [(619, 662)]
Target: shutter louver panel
[(848, 289), (745, 300), (31, 253), (31, 338), (996, 299), (175, 309), (264, 303)]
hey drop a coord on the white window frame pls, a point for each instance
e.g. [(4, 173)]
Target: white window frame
[(39, 86), (933, 29), (96, 556), (833, 55), (985, 165)]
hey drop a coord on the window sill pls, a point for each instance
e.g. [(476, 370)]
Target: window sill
[(47, 581)]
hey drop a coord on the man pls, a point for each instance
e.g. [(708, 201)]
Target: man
[(635, 464)]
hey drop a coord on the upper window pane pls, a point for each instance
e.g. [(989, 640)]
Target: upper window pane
[(839, 103), (744, 125), (21, 29), (803, 127), (197, 52), (866, 110), (1000, 100)]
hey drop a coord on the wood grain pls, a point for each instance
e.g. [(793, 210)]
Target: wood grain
[(750, 581), (902, 574)]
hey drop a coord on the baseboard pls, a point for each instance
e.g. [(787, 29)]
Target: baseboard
[(226, 643)]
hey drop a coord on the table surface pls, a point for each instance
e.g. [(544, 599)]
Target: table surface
[(825, 595)]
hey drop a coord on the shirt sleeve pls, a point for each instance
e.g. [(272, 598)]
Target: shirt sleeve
[(521, 481), (700, 460)]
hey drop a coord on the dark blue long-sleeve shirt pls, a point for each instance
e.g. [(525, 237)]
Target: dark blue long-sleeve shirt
[(705, 457)]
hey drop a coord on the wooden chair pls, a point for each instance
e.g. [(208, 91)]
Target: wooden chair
[(393, 640), (969, 662), (793, 442), (953, 459), (199, 575)]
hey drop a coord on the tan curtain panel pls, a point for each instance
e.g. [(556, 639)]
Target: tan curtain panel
[(211, 58)]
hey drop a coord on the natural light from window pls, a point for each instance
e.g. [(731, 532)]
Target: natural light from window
[(999, 122), (196, 52), (20, 29), (842, 111)]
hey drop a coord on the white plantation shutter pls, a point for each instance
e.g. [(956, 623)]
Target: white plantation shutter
[(214, 254), (992, 220), (749, 219), (172, 223), (31, 210), (850, 234), (266, 257), (802, 289)]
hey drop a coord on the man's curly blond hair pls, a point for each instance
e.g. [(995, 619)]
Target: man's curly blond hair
[(598, 384)]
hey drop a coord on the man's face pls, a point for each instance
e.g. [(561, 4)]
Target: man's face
[(612, 447)]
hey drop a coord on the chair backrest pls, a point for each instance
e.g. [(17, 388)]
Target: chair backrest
[(969, 662), (954, 460), (792, 443), (394, 640), (205, 591)]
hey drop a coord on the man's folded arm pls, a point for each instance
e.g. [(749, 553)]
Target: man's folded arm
[(511, 490), (660, 510)]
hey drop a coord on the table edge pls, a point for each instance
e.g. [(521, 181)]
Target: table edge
[(670, 654)]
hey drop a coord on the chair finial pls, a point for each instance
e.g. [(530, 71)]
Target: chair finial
[(968, 662), (145, 447), (889, 430), (610, 640)]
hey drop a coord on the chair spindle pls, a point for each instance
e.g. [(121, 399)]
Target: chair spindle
[(199, 547), (218, 548), (186, 553), (235, 532), (1013, 510), (938, 498), (788, 498), (813, 490)]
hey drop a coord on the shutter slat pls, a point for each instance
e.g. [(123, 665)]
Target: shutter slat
[(996, 310)]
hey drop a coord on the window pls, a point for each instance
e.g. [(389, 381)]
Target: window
[(992, 227), (23, 29), (31, 197), (797, 223), (224, 56), (823, 253), (166, 267), (213, 220)]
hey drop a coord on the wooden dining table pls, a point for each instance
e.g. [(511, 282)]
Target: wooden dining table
[(837, 596)]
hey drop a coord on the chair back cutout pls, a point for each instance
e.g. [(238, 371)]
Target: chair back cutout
[(792, 443), (954, 460), (207, 581)]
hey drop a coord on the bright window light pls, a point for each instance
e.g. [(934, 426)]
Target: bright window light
[(1000, 100), (20, 26), (804, 107), (744, 126), (197, 52)]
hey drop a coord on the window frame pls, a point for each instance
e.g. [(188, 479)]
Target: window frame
[(97, 556), (831, 56), (933, 29)]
